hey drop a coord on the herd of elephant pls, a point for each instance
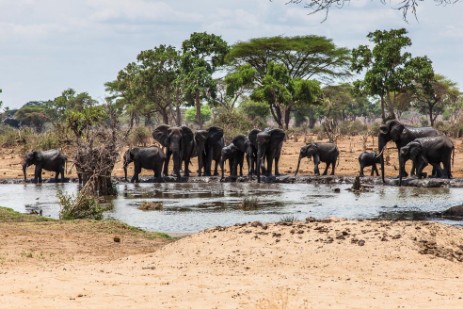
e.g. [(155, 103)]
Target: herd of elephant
[(262, 151)]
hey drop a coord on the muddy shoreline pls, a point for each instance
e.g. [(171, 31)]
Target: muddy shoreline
[(329, 180)]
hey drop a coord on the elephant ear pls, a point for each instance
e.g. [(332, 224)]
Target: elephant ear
[(253, 136), (187, 136), (161, 134), (395, 129), (215, 134)]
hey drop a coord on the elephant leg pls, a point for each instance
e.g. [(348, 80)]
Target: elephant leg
[(38, 174), (362, 166), (374, 168), (269, 166), (333, 167), (326, 168), (166, 163), (277, 169), (216, 168), (187, 171), (316, 171)]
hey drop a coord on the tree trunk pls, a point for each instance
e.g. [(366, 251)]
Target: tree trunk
[(178, 121), (287, 117), (383, 112), (199, 118)]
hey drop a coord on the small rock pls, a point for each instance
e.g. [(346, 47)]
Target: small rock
[(361, 242), (117, 239)]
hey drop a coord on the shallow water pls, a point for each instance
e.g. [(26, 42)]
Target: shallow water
[(190, 207)]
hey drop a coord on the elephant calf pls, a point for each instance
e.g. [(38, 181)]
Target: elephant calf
[(235, 157), (429, 150), (49, 160), (369, 159), (321, 152), (152, 158)]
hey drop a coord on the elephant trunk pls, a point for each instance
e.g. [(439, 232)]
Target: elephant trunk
[(298, 164), (125, 171), (401, 167), (222, 162), (381, 146), (259, 162), (24, 166)]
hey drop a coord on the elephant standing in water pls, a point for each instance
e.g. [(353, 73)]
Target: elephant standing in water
[(49, 160), (269, 144), (179, 143), (321, 152), (401, 135), (252, 151), (208, 147), (235, 158), (429, 150), (151, 158)]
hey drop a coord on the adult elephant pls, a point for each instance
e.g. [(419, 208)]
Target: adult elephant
[(401, 135), (151, 158), (208, 147), (49, 160), (429, 150), (321, 152), (179, 143), (269, 144), (252, 137)]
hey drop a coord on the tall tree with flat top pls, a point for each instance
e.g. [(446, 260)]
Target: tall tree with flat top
[(287, 70)]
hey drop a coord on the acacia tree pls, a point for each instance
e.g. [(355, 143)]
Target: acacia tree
[(202, 54), (432, 96), (390, 72), (282, 69)]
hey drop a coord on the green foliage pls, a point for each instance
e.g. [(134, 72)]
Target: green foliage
[(390, 72), (256, 111), (80, 207), (9, 215), (280, 69), (190, 114), (233, 122), (33, 115), (202, 54)]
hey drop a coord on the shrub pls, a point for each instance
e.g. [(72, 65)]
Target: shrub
[(355, 127), (146, 206), (139, 136), (190, 114), (80, 207), (249, 203)]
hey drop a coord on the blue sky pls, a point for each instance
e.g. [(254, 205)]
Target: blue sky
[(48, 46)]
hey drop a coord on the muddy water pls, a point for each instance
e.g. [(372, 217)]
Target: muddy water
[(190, 207)]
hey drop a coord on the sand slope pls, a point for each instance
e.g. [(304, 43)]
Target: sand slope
[(319, 264)]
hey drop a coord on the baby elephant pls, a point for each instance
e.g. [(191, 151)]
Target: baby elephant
[(321, 152), (369, 159)]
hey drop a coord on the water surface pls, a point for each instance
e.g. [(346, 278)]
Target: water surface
[(190, 207)]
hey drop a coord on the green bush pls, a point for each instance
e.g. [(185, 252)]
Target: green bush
[(206, 112), (80, 207), (232, 121)]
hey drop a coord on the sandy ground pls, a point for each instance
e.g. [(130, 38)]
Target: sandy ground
[(315, 264), (320, 264)]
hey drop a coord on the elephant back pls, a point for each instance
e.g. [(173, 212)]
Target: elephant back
[(161, 134), (241, 142), (277, 134)]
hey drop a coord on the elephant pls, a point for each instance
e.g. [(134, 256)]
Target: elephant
[(151, 158), (369, 159), (235, 158), (428, 150), (321, 152), (179, 143), (401, 135), (269, 144), (252, 151), (208, 147), (50, 160)]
